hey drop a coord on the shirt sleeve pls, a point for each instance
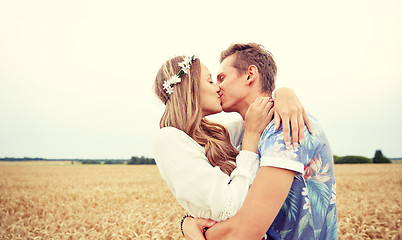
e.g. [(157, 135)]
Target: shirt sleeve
[(274, 152), (204, 191)]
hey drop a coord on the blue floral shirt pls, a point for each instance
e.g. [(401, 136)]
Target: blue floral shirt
[(309, 211)]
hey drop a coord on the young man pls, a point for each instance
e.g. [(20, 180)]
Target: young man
[(294, 193)]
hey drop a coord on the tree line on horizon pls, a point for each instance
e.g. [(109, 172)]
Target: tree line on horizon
[(378, 158), (349, 159), (133, 160)]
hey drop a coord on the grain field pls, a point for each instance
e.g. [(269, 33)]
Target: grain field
[(52, 201)]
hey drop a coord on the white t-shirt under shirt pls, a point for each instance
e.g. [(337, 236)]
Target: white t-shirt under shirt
[(204, 191)]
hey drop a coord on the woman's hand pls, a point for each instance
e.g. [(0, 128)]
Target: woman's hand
[(193, 228), (257, 117), (290, 111)]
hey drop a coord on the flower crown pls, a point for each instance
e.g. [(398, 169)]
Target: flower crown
[(185, 67)]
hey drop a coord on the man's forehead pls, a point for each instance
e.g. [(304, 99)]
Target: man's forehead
[(226, 64)]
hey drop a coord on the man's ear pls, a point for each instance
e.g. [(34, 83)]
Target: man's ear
[(252, 74)]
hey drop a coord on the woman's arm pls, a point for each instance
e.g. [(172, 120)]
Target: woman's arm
[(291, 113), (203, 190)]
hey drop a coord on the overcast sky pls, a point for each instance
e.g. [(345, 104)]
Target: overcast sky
[(76, 77)]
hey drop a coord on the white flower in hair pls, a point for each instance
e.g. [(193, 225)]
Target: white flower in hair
[(166, 84), (186, 61), (185, 67), (169, 90), (185, 64), (174, 79), (171, 81)]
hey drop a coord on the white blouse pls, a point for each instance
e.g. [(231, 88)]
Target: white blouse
[(204, 191)]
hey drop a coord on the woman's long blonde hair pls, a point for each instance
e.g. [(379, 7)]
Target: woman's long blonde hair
[(183, 111)]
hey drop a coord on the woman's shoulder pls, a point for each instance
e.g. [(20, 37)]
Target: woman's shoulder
[(169, 131), (172, 143), (172, 135)]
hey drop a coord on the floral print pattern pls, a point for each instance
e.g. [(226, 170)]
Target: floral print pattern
[(309, 211)]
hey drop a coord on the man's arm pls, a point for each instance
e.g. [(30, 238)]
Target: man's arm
[(262, 204)]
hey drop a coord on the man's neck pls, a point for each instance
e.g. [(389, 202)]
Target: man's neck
[(248, 101)]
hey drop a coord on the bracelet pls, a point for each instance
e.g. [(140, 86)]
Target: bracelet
[(181, 222)]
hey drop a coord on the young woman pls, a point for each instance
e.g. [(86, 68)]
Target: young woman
[(198, 158)]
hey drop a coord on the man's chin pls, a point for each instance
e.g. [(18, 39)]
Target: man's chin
[(228, 110)]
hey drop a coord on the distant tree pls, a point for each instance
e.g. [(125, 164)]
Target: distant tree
[(114, 162), (336, 157), (90, 162), (380, 158), (12, 159), (352, 159), (141, 160)]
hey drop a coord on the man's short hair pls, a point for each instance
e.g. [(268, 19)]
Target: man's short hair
[(253, 54)]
